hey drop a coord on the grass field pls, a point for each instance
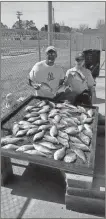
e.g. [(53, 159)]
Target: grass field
[(20, 58)]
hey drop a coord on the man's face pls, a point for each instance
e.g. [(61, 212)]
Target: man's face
[(51, 56), (80, 63)]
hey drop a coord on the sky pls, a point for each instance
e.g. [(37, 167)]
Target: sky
[(71, 13)]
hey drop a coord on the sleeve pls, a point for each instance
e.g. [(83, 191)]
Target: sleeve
[(33, 73), (90, 80)]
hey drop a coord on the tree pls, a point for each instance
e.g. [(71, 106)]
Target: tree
[(27, 25), (65, 29), (16, 25), (83, 27), (100, 24), (4, 26), (56, 27)]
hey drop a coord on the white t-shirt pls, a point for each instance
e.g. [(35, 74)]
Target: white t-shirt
[(51, 75), (79, 81)]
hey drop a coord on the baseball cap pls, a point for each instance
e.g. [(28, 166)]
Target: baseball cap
[(80, 57), (49, 48)]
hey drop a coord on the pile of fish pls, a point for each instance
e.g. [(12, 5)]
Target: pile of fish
[(53, 130)]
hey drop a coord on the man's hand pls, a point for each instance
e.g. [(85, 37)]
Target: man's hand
[(36, 86)]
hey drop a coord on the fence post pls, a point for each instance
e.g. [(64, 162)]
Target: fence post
[(70, 50), (39, 49)]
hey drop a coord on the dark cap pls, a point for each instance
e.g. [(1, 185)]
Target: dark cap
[(80, 57)]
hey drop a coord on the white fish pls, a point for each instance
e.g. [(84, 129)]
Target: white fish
[(59, 154), (25, 147)]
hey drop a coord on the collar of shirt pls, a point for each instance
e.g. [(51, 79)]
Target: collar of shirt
[(74, 71)]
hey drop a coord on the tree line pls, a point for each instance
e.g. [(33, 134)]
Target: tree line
[(30, 25)]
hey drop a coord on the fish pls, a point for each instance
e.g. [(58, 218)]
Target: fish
[(27, 116), (75, 140), (70, 158), (88, 120), (87, 127), (88, 133), (80, 128), (59, 105), (63, 115), (76, 120), (70, 106), (81, 109), (43, 116), (57, 118), (10, 146), (63, 135), (34, 114), (85, 139), (48, 145), (44, 127), (90, 113), (80, 154), (60, 126), (81, 146), (42, 149), (46, 86), (32, 131), (38, 136), (27, 126), (10, 140), (51, 139), (35, 118), (83, 117), (45, 109), (41, 103), (15, 128), (53, 131), (71, 121), (63, 141), (63, 122), (52, 104), (32, 119), (40, 122), (25, 147), (60, 153), (28, 108), (38, 153), (52, 113), (72, 130), (21, 133), (23, 123), (52, 121), (35, 110)]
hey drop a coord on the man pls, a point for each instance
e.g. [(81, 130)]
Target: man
[(46, 74), (80, 81)]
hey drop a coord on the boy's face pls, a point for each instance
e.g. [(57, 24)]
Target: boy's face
[(51, 56)]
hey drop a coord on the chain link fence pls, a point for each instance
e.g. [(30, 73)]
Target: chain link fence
[(21, 49)]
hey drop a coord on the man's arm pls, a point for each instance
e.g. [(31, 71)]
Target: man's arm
[(32, 78)]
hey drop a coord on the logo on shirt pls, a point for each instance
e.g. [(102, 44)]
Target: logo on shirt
[(50, 76)]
